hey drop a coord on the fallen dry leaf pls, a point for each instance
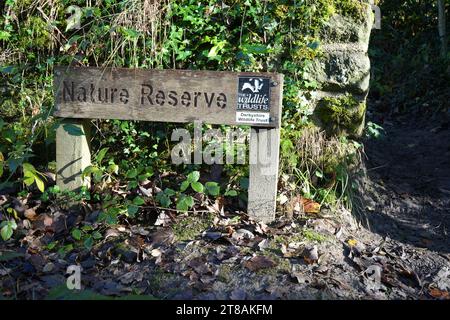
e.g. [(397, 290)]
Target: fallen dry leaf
[(156, 253), (48, 221), (439, 294), (259, 262), (310, 206), (163, 219), (261, 228), (352, 242), (30, 214), (300, 204)]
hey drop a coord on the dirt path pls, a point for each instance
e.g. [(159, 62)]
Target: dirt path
[(406, 195), (409, 171)]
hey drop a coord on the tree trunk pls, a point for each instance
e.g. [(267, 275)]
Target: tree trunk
[(442, 27)]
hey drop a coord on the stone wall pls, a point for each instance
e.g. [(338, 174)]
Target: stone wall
[(343, 73)]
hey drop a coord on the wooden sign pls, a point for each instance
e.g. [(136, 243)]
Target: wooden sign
[(214, 97), (169, 95)]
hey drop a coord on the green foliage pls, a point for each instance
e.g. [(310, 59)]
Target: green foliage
[(31, 175), (192, 180), (132, 158), (323, 167), (373, 130), (86, 235), (7, 228), (185, 202), (409, 73)]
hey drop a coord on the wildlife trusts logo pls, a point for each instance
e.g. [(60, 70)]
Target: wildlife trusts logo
[(254, 94)]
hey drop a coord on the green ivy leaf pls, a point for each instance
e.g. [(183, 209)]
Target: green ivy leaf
[(255, 48), (7, 229), (87, 228), (244, 183), (231, 193), (98, 174), (132, 173), (113, 168), (28, 179), (52, 245), (197, 186), (76, 234), (39, 183), (184, 185), (132, 210), (88, 243), (169, 192), (101, 154), (88, 170), (189, 201), (212, 188), (163, 200), (193, 176), (181, 205), (73, 130), (97, 235), (138, 201)]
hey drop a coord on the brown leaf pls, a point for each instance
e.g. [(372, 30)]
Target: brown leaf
[(259, 262), (300, 204), (261, 228), (163, 236), (310, 206), (199, 265), (218, 206), (30, 214), (439, 294), (48, 221)]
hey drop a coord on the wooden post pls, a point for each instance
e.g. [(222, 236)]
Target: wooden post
[(72, 153), (263, 179), (264, 166)]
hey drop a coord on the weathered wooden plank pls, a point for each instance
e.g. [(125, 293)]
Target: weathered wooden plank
[(212, 97), (72, 153), (264, 167), (263, 178)]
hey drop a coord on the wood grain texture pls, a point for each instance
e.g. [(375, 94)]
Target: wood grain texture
[(263, 178), (156, 95), (73, 153)]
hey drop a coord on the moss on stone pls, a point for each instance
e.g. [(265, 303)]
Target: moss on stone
[(341, 115), (351, 8)]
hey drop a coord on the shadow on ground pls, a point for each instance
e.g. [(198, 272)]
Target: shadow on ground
[(406, 190)]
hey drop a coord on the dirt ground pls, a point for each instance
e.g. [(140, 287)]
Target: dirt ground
[(394, 246)]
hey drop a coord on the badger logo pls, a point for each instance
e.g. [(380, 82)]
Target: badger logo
[(255, 87)]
